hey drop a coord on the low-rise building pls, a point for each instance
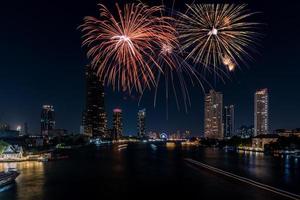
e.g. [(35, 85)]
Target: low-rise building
[(34, 141), (12, 152), (260, 141), (288, 132)]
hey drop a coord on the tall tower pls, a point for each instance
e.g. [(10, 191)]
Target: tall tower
[(213, 106), (25, 129), (141, 118), (261, 114), (117, 124), (47, 119), (228, 117), (94, 116)]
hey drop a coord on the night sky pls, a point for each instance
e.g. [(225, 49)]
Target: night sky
[(42, 62)]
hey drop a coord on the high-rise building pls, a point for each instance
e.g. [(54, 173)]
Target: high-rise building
[(141, 120), (228, 121), (261, 116), (94, 117), (47, 119), (24, 129), (213, 123), (117, 131)]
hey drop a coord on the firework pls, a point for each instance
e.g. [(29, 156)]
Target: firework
[(176, 75), (123, 47), (217, 34)]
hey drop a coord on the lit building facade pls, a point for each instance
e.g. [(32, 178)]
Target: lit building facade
[(141, 120), (94, 117), (213, 114), (288, 132), (261, 115), (117, 131), (228, 119), (47, 119)]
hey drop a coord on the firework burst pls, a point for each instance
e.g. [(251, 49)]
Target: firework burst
[(218, 34), (176, 75), (123, 47)]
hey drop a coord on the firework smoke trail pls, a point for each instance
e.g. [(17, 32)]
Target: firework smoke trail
[(122, 48), (218, 34)]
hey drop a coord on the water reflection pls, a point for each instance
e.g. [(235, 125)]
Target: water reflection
[(282, 172), (29, 184), (101, 171)]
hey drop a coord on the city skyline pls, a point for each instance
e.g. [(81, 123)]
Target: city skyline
[(164, 98), (22, 99)]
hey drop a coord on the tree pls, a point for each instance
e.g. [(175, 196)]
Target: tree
[(3, 145)]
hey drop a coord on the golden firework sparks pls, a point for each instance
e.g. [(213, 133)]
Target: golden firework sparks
[(216, 34), (122, 47)]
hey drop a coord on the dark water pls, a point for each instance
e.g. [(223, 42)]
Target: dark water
[(145, 171)]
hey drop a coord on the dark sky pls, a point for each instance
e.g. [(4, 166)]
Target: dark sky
[(42, 62)]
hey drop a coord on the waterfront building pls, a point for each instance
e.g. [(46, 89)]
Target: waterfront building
[(94, 117), (288, 132), (213, 114), (228, 117), (47, 119), (34, 141), (260, 141), (12, 152), (175, 136), (141, 120), (261, 115), (153, 135), (117, 124)]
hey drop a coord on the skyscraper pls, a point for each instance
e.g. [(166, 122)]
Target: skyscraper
[(25, 129), (94, 117), (228, 117), (141, 118), (117, 124), (261, 116), (47, 119), (213, 124)]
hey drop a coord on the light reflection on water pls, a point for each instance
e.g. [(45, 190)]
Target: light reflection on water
[(282, 172), (111, 168), (30, 182)]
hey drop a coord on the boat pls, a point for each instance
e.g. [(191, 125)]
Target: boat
[(8, 177)]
